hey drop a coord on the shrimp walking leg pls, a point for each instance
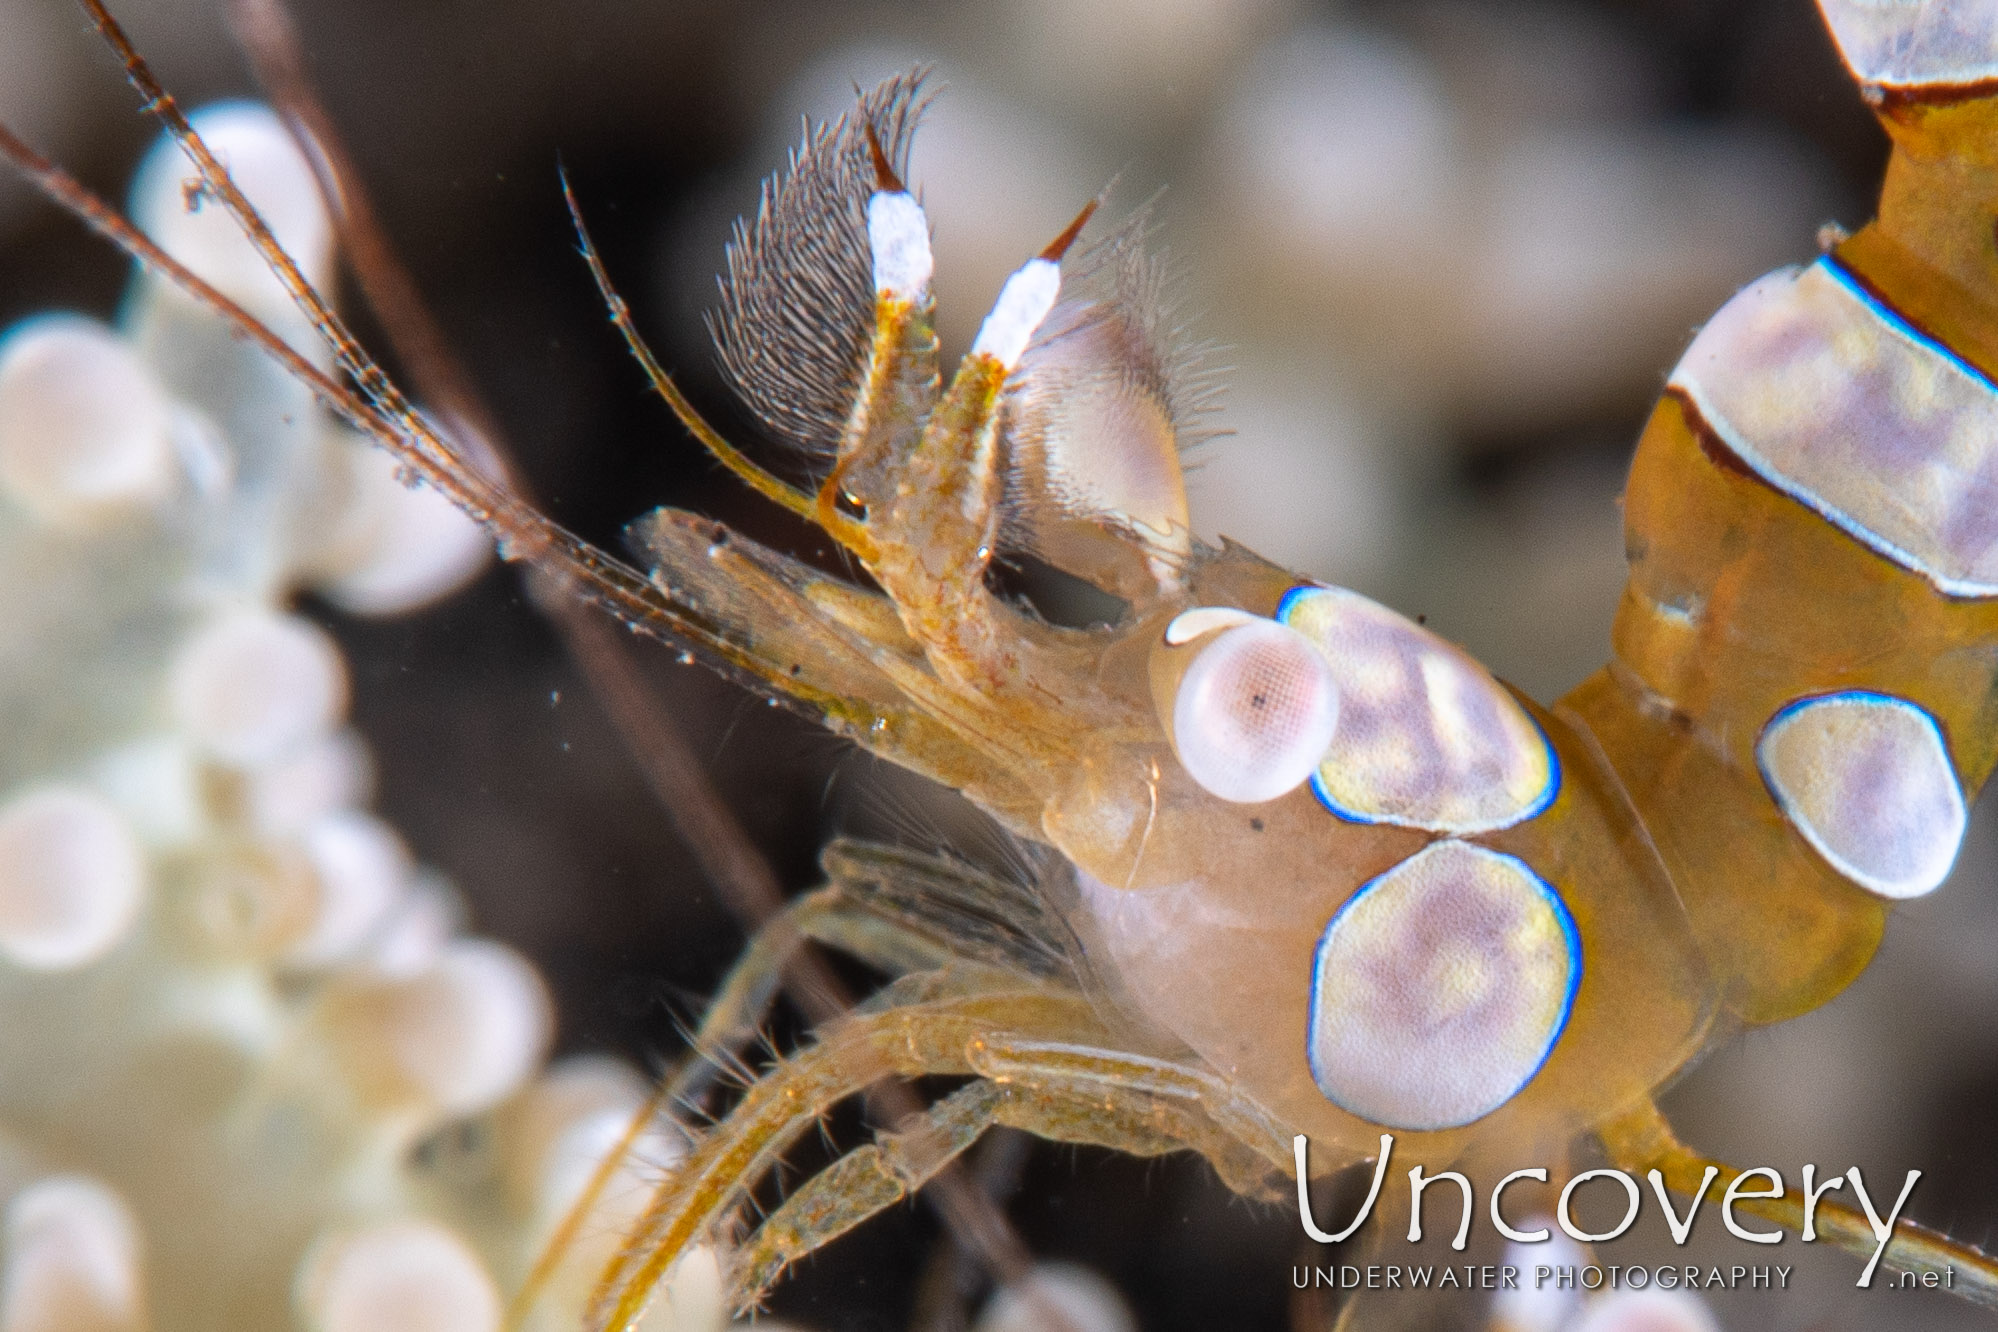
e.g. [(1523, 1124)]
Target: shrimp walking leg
[(1074, 1090), (865, 1182), (1125, 1096), (828, 916), (916, 1038), (1070, 1094), (1063, 1093)]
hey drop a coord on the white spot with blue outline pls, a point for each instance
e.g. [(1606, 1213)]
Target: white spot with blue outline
[(1440, 988), (1866, 779), (1426, 737), (1837, 401)]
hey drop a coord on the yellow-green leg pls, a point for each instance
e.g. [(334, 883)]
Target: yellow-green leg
[(927, 1031), (1067, 1093)]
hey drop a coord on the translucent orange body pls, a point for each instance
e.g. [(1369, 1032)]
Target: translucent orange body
[(1698, 905), (1680, 707), (1178, 1013)]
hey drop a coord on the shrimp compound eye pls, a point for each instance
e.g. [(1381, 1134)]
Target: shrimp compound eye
[(1254, 711)]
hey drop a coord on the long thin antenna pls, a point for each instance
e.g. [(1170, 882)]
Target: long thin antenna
[(73, 195), (374, 385), (267, 34), (842, 528), (523, 533)]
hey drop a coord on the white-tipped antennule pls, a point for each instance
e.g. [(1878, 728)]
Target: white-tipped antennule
[(899, 236), (73, 1260), (398, 1276), (72, 877), (85, 433), (1024, 302), (1254, 712)]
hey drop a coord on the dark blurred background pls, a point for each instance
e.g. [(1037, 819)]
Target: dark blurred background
[(1450, 250)]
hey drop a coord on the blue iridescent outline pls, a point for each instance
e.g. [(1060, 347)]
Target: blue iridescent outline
[(1548, 795), (1569, 932), (1895, 323), (1899, 322), (1872, 698)]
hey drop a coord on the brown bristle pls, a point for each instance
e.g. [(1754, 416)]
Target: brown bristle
[(1059, 245), (885, 178)]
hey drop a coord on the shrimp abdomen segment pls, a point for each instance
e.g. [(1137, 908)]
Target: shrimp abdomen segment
[(1796, 553), (1801, 699)]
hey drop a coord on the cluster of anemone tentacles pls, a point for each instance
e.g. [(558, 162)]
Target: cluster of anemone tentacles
[(252, 1072)]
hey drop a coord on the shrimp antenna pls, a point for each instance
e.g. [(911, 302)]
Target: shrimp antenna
[(374, 384), (843, 529), (382, 411), (478, 499), (523, 533), (268, 36), (377, 407)]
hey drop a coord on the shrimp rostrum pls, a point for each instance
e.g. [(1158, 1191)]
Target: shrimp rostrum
[(1310, 869)]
